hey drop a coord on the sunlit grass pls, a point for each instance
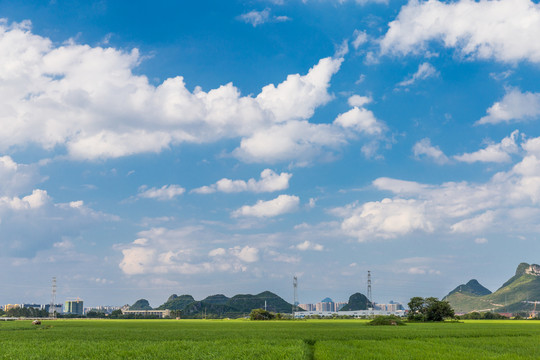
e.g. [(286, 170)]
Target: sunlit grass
[(240, 339)]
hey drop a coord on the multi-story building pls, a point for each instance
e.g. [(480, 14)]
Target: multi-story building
[(74, 307), (307, 307), (11, 306), (57, 308), (392, 306)]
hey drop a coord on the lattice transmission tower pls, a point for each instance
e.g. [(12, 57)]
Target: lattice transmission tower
[(52, 313), (369, 296), (295, 299)]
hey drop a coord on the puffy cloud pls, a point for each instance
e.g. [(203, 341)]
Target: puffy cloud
[(425, 71), (269, 182), (16, 178), (247, 253), (308, 245), (180, 251), (37, 199), (295, 140), (507, 202), (423, 148), (515, 106), (361, 120), (88, 101), (281, 205), (166, 192), (256, 18), (493, 153), (504, 30), (359, 101), (388, 218)]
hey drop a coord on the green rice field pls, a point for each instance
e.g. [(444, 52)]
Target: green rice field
[(242, 339)]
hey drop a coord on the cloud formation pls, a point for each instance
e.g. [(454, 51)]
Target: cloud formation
[(180, 251), (507, 202), (269, 182), (281, 205), (166, 192), (88, 101), (497, 153), (257, 18), (425, 71), (503, 30), (423, 148), (515, 106)]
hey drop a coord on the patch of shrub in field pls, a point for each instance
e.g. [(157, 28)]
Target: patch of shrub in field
[(391, 320)]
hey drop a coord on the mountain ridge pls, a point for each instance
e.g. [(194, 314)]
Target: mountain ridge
[(512, 296)]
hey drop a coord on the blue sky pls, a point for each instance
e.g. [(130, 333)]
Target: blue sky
[(225, 146)]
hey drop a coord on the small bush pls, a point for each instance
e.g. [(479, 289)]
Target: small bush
[(391, 320)]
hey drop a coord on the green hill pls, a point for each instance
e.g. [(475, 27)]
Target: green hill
[(473, 287), (141, 304), (512, 296), (220, 306), (176, 302), (216, 299), (248, 302), (357, 301)]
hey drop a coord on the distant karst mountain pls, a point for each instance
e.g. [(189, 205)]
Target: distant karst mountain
[(512, 296), (219, 306), (357, 301), (176, 302), (141, 304), (473, 287)]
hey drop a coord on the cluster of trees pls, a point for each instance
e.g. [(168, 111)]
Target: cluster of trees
[(261, 314), (429, 309), (24, 312)]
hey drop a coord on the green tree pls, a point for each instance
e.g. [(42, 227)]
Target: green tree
[(429, 309), (261, 314)]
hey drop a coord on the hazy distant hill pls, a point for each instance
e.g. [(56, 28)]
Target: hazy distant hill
[(141, 304), (357, 301), (510, 297), (218, 306)]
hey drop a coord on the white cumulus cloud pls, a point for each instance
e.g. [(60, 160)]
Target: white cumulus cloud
[(507, 202), (269, 182), (88, 101), (281, 205), (494, 152), (504, 30), (515, 106), (308, 245)]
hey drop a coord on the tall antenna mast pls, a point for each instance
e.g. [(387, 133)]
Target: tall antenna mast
[(369, 287), (52, 313), (295, 300)]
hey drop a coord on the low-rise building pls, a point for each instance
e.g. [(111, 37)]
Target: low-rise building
[(159, 313)]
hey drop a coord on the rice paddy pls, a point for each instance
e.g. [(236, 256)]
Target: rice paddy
[(240, 339)]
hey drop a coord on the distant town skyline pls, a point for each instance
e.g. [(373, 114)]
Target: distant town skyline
[(165, 147)]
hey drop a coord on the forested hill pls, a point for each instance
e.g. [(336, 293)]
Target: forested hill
[(517, 294)]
